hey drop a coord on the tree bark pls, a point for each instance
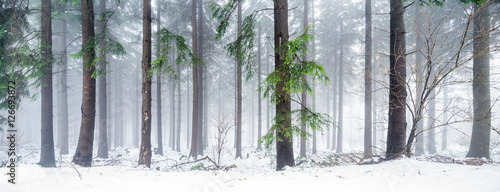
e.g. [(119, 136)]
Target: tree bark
[(200, 79), (368, 79), (178, 136), (102, 150), (83, 154), (284, 143), (145, 152), (419, 142), (47, 157), (239, 95), (63, 94), (259, 108), (194, 136), (396, 133), (341, 90), (303, 126), (481, 128)]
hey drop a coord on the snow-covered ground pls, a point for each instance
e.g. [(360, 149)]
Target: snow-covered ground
[(255, 173)]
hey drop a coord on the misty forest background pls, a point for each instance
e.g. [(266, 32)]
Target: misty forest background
[(391, 78)]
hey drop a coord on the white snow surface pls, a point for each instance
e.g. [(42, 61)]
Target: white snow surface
[(253, 174)]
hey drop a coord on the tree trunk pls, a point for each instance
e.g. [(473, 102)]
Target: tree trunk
[(83, 154), (335, 64), (284, 143), (259, 103), (145, 152), (313, 48), (268, 109), (239, 96), (102, 150), (137, 116), (63, 94), (419, 142), (444, 144), (200, 78), (396, 133), (341, 90), (158, 84), (368, 79), (178, 136), (303, 126), (118, 108), (431, 144), (481, 128), (47, 157), (194, 137)]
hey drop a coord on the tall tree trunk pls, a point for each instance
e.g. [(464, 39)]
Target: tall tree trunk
[(63, 94), (137, 116), (47, 157), (102, 150), (313, 48), (158, 84), (368, 79), (200, 79), (431, 144), (335, 64), (481, 128), (145, 152), (341, 90), (268, 109), (118, 108), (239, 95), (396, 133), (194, 137), (303, 126), (178, 136), (419, 142), (284, 143), (188, 117), (83, 154), (259, 108)]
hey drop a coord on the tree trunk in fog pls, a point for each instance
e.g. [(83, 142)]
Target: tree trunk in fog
[(444, 143), (118, 107), (396, 134), (431, 137), (313, 48), (268, 109), (158, 84), (63, 94), (83, 154), (419, 142), (109, 108), (481, 129), (200, 78), (47, 157), (368, 80), (137, 116), (102, 149), (303, 126), (178, 136), (335, 63), (239, 98), (259, 108), (145, 152), (194, 137), (341, 90), (188, 118), (284, 143)]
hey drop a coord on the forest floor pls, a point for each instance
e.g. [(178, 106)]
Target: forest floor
[(325, 171)]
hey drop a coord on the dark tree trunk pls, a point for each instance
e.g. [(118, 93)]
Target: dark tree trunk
[(201, 87), (47, 157), (102, 150), (145, 152), (303, 126), (259, 108), (63, 94), (239, 95), (158, 83), (397, 96), (481, 128), (83, 154), (194, 137), (341, 90), (284, 143), (368, 79)]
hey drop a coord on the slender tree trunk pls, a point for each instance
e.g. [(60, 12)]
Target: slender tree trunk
[(83, 154), (102, 150), (303, 126), (313, 48), (158, 85), (368, 79), (145, 152), (431, 144), (201, 104), (284, 143), (47, 157), (481, 128), (444, 144), (118, 108), (178, 136), (188, 117), (194, 137), (63, 95), (268, 109), (341, 90), (135, 119), (396, 134), (239, 95), (259, 108), (419, 142), (335, 64)]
